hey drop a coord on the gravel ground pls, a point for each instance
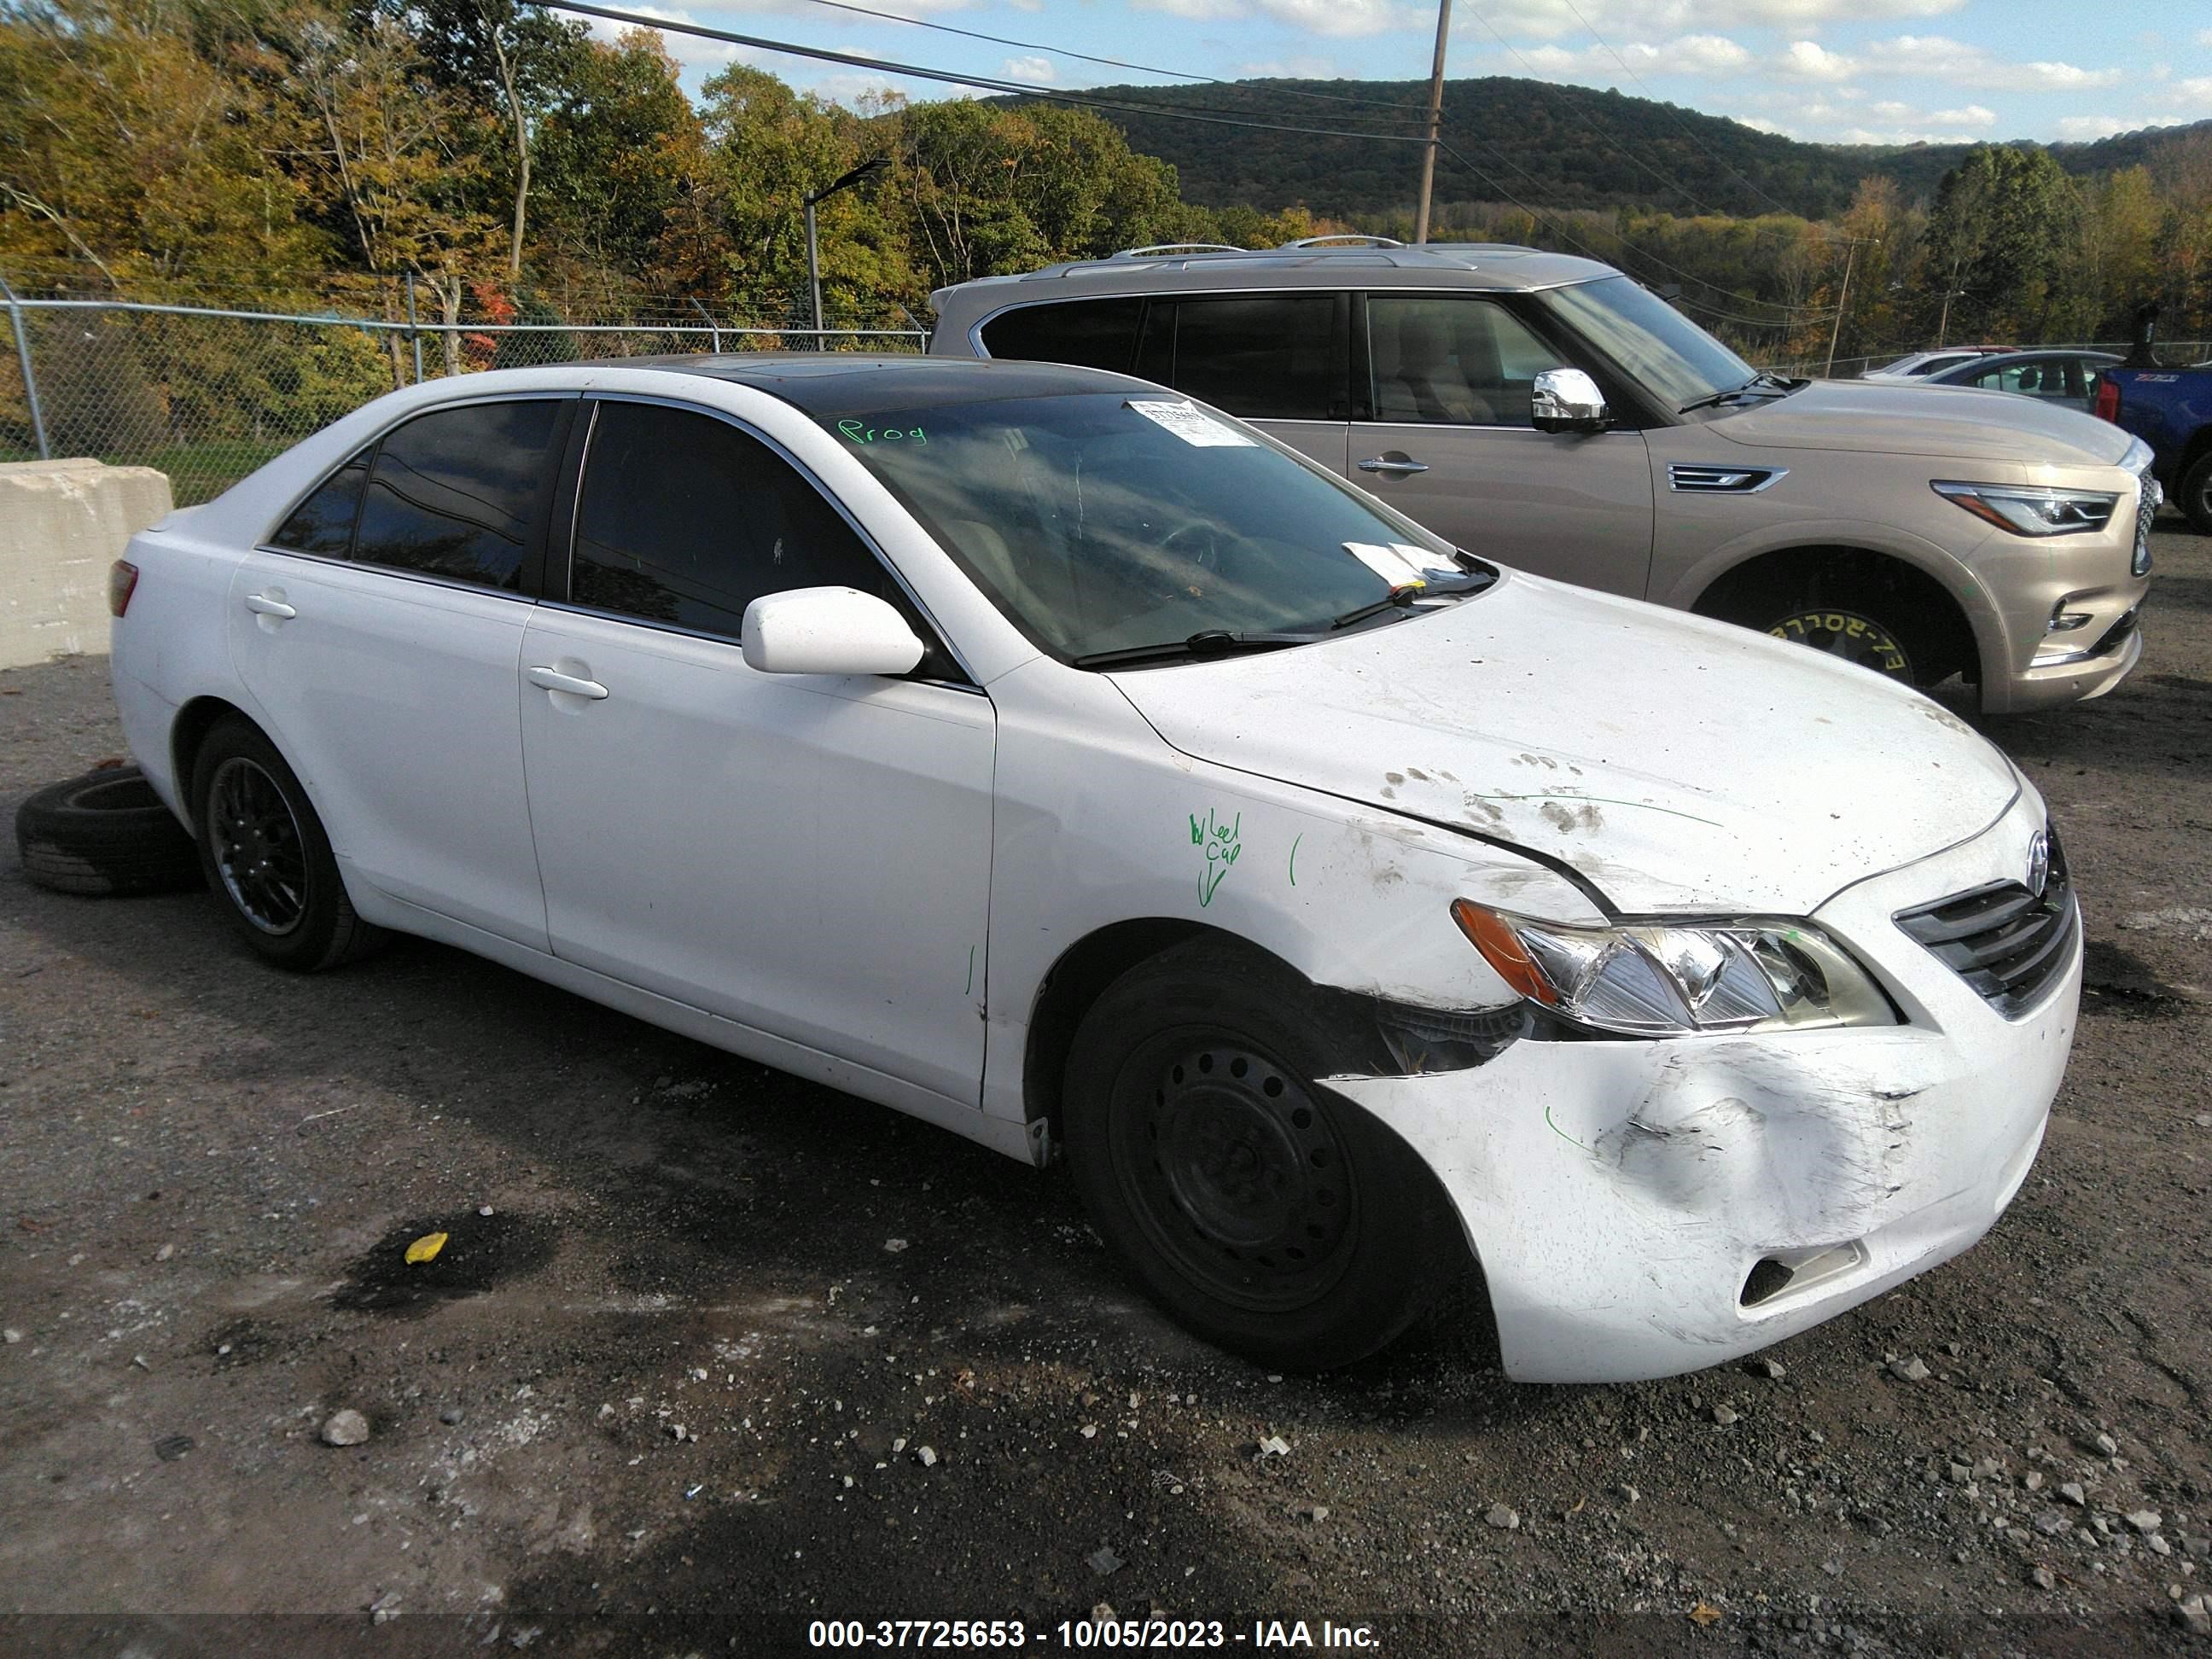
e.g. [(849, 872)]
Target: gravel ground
[(712, 1353)]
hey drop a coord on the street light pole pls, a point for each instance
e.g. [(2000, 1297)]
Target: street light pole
[(1436, 121), (859, 175)]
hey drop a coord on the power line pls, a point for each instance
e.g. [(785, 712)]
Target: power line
[(1087, 58), (989, 84), (1688, 130)]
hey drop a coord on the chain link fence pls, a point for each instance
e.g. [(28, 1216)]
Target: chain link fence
[(207, 395)]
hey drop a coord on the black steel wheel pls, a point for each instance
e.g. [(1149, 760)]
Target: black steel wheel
[(267, 860), (1267, 1213), (1239, 1176)]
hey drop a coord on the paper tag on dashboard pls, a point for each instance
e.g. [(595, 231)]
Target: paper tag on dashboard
[(1190, 423), (1395, 563)]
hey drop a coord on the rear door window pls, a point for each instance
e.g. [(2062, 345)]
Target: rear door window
[(1452, 361), (1089, 333), (461, 492), (1269, 356), (686, 520), (324, 522)]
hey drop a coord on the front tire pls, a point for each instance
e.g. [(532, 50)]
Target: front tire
[(1264, 1211), (267, 860), (2194, 497)]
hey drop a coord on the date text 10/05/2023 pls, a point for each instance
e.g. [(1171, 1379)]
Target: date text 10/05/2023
[(1101, 1631)]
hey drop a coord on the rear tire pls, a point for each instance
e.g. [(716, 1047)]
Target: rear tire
[(2194, 497), (1265, 1213), (267, 860), (107, 832)]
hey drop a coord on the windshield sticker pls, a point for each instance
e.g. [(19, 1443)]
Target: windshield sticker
[(1395, 563), (862, 433), (1190, 423), (1222, 846)]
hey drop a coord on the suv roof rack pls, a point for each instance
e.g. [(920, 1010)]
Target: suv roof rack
[(1342, 236), (1153, 248)]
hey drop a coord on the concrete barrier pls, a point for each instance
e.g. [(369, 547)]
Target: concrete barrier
[(61, 524)]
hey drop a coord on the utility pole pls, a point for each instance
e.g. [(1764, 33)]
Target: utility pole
[(1436, 121), (1850, 252)]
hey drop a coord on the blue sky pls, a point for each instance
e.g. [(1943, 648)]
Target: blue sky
[(1829, 71)]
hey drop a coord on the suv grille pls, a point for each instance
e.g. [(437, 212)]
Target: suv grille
[(2005, 941)]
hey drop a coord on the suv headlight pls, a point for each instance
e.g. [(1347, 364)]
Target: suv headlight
[(2032, 509), (1648, 979)]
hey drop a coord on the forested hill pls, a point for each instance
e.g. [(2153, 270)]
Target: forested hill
[(1548, 146)]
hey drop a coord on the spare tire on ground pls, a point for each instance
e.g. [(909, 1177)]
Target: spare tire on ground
[(105, 832)]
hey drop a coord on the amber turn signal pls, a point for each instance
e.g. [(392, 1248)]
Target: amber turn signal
[(1489, 934)]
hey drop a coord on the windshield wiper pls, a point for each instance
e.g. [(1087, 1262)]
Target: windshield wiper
[(1206, 642), (1764, 380), (1474, 579)]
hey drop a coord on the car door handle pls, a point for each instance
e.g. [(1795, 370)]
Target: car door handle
[(1380, 464), (262, 605), (552, 679)]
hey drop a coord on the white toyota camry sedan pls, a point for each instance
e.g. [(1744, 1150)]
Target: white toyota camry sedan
[(1034, 751)]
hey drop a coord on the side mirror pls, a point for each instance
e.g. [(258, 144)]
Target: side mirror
[(826, 630), (1567, 400)]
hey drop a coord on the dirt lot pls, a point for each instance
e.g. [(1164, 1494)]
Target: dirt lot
[(712, 1353)]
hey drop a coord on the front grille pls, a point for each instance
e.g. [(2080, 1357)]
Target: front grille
[(2006, 942), (2147, 495)]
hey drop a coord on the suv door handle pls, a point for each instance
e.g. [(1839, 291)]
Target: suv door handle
[(1381, 464), (551, 679), (262, 605)]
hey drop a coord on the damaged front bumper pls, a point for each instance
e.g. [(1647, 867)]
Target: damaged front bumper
[(1643, 1208)]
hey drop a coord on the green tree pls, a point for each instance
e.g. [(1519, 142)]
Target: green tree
[(2001, 230)]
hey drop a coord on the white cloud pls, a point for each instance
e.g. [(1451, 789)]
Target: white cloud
[(1304, 68), (2195, 93), (1760, 123), (1333, 17), (1552, 20), (1034, 69), (1973, 115), (1808, 60), (1687, 54), (2204, 37), (2093, 126), (692, 51), (1939, 58)]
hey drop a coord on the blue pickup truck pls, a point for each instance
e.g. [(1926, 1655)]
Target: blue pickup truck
[(2169, 409)]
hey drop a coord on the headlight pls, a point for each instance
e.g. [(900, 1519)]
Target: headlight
[(2032, 509), (1641, 980)]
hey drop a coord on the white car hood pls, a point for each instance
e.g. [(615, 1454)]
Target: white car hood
[(1678, 764), (1901, 418)]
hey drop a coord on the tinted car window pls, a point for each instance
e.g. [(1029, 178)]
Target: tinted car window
[(1090, 333), (324, 522), (1460, 363), (686, 520), (455, 493), (1276, 356)]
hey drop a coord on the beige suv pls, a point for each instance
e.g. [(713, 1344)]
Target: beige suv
[(1549, 412)]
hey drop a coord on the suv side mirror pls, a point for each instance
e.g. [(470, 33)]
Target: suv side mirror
[(826, 630), (1567, 400)]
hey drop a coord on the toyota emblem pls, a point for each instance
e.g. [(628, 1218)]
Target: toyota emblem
[(2039, 862)]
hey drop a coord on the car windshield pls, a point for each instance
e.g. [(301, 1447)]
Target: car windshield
[(1104, 522), (1650, 340)]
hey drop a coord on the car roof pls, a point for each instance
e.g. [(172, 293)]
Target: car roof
[(1990, 360), (835, 383), (1374, 262)]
